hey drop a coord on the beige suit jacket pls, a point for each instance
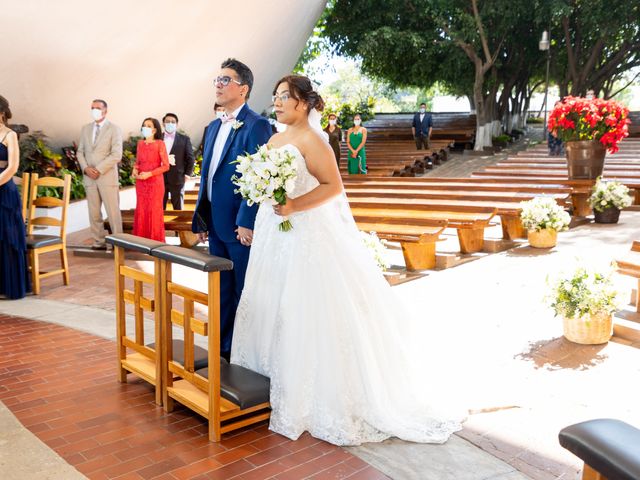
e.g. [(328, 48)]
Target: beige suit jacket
[(104, 155)]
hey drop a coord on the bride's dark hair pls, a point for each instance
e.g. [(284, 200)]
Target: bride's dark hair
[(301, 89)]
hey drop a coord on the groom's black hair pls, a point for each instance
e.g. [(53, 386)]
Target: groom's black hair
[(244, 73)]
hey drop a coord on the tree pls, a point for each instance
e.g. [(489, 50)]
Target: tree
[(461, 43), (601, 42)]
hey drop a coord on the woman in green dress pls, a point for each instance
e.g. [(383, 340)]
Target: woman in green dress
[(356, 140)]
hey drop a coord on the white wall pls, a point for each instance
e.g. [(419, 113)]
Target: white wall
[(144, 57)]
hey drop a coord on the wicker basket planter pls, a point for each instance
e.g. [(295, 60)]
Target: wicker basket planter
[(608, 215), (545, 238), (589, 330)]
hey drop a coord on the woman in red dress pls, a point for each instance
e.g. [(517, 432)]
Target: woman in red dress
[(151, 162)]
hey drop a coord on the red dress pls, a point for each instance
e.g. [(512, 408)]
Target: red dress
[(148, 220)]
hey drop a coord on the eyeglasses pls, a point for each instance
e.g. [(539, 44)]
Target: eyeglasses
[(283, 98), (225, 80)]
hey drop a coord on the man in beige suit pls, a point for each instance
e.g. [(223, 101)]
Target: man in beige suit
[(99, 152)]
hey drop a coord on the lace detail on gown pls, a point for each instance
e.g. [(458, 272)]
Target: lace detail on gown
[(318, 318)]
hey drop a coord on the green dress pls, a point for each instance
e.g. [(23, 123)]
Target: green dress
[(358, 164)]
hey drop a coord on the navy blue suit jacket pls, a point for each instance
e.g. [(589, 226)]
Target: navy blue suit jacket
[(227, 210), (422, 128)]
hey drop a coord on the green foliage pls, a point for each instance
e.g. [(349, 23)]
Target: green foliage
[(37, 157), (125, 168), (346, 111), (583, 293)]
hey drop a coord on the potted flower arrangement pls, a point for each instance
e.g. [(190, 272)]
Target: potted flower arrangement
[(607, 199), (589, 127), (585, 300), (543, 218)]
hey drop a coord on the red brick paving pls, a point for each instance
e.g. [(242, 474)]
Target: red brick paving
[(61, 384)]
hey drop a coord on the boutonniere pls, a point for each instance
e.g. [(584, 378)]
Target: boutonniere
[(236, 124)]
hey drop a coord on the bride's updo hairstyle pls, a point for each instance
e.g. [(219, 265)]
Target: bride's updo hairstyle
[(301, 89)]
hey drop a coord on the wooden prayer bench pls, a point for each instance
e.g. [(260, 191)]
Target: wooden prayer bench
[(178, 221), (630, 265), (469, 222), (146, 361), (609, 448), (228, 396)]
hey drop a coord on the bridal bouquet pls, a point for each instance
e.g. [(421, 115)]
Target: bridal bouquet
[(266, 176)]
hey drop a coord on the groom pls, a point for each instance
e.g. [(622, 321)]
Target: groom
[(222, 215)]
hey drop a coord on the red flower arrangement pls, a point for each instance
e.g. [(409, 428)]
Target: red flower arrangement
[(576, 118)]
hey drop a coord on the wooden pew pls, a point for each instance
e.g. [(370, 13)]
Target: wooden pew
[(178, 221), (469, 222), (630, 265)]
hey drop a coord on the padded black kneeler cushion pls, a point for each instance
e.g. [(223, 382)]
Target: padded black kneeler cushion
[(200, 355), (133, 242), (611, 447), (192, 258), (240, 385), (39, 241)]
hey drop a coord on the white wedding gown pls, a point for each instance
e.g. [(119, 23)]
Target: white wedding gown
[(316, 316)]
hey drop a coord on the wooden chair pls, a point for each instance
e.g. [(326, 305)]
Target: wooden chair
[(38, 244), (23, 183), (228, 396)]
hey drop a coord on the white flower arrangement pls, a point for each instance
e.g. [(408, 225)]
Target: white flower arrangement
[(543, 212), (609, 194), (266, 176), (236, 124), (377, 249), (583, 293)]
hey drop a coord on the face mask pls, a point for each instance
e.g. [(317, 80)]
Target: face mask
[(357, 122), (220, 115), (96, 113), (423, 110), (332, 122), (170, 127), (146, 132)]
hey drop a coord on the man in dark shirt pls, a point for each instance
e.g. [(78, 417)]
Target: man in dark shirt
[(421, 127)]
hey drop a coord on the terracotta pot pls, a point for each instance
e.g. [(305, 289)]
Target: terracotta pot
[(608, 215), (545, 238), (585, 159), (589, 330)]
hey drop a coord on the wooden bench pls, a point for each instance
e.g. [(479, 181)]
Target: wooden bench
[(469, 222), (630, 265), (178, 221)]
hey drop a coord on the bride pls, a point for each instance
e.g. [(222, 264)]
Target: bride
[(345, 360)]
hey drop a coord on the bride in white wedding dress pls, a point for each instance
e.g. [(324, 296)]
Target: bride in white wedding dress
[(345, 359)]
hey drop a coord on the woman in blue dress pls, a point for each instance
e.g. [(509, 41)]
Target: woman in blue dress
[(14, 278)]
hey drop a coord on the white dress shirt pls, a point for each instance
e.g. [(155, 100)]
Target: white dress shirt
[(218, 146), (422, 117)]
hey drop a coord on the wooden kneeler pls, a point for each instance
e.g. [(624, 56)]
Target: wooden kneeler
[(145, 361), (228, 396)]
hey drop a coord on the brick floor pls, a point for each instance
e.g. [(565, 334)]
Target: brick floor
[(61, 384)]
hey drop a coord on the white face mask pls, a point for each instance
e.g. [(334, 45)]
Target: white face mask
[(96, 113), (423, 110), (332, 122), (146, 132), (357, 122), (170, 127), (220, 115)]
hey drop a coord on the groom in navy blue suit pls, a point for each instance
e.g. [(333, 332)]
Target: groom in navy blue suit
[(222, 215)]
